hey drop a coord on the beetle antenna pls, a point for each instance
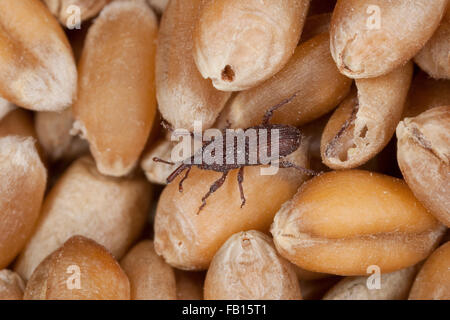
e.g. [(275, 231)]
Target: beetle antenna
[(269, 113), (156, 159)]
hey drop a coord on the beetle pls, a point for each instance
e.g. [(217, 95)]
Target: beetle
[(289, 140)]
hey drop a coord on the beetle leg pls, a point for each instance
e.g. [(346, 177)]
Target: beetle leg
[(180, 186), (287, 164), (176, 172), (269, 113), (240, 178), (214, 187)]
